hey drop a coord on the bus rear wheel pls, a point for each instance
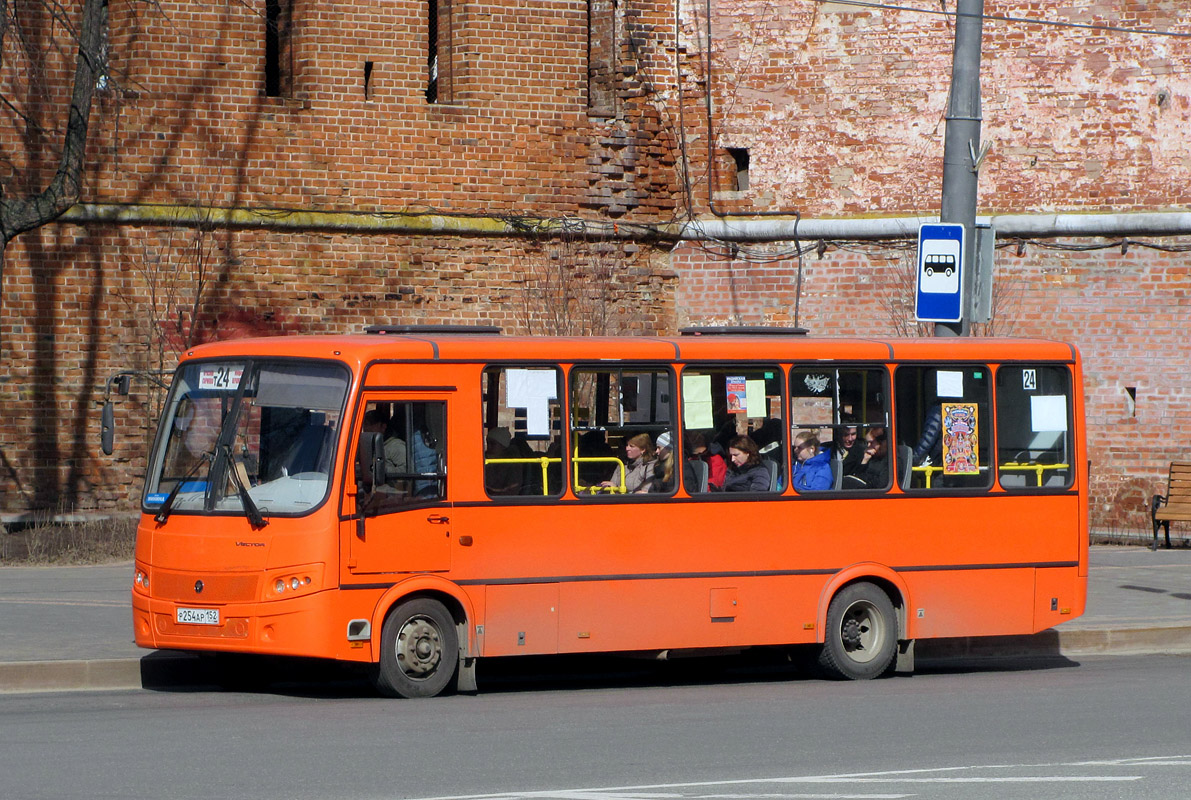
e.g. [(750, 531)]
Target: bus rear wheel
[(861, 639), (419, 650)]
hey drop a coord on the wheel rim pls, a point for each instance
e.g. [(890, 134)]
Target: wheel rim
[(419, 648), (862, 631)]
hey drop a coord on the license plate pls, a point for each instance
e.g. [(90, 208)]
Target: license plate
[(198, 616)]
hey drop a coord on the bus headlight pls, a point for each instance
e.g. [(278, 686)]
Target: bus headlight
[(299, 580)]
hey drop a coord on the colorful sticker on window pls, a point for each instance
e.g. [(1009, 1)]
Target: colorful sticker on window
[(960, 453), (737, 388)]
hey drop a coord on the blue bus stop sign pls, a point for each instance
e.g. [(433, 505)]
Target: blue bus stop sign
[(940, 272)]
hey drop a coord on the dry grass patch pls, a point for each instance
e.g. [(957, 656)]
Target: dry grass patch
[(99, 540)]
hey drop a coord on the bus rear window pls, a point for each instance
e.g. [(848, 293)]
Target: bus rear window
[(1034, 427)]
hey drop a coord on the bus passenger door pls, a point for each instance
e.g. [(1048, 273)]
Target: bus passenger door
[(402, 524)]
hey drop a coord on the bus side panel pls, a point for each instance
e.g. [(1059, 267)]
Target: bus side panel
[(521, 619), (687, 613), (976, 602)]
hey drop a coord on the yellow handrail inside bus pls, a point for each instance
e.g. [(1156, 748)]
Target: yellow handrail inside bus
[(577, 459), (545, 461), (1037, 469), (928, 470)]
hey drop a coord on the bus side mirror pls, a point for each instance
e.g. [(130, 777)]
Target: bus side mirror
[(107, 430), (370, 462)]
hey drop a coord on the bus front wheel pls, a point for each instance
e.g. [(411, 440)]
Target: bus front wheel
[(861, 638), (419, 650)]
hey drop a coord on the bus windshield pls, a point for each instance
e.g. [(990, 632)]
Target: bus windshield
[(238, 434)]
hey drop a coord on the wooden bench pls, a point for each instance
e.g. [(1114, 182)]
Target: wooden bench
[(1175, 505)]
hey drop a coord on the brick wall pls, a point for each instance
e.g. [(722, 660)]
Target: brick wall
[(840, 109), (76, 317)]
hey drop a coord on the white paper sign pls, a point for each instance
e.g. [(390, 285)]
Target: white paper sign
[(949, 383), (1048, 413), (755, 392), (696, 401), (533, 389)]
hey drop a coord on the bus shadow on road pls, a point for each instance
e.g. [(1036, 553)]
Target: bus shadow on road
[(1029, 652), (305, 677)]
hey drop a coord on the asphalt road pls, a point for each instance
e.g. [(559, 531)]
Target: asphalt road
[(1105, 727)]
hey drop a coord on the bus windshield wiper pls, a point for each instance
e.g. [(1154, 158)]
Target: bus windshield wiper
[(163, 513), (255, 518)]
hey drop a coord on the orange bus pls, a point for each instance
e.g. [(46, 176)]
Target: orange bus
[(417, 498)]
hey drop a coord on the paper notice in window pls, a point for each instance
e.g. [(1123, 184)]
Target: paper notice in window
[(949, 383), (533, 389), (755, 393), (1048, 412), (696, 401)]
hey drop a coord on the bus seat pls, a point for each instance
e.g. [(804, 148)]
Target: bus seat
[(837, 472), (701, 473), (1013, 480), (775, 471), (905, 463)]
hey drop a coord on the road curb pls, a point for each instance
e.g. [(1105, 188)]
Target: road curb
[(59, 676), (1059, 643)]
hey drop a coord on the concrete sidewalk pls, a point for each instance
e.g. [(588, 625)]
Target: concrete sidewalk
[(64, 628)]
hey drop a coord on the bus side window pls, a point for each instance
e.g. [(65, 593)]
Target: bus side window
[(722, 403), (1033, 427), (414, 436), (840, 408), (943, 427), (522, 431), (622, 433)]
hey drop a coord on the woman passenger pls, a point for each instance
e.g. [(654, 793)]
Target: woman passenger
[(812, 468), (663, 466), (747, 473), (638, 470)]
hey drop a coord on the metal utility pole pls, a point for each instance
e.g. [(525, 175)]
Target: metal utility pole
[(961, 150)]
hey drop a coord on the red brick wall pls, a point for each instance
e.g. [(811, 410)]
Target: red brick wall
[(843, 108), (76, 317)]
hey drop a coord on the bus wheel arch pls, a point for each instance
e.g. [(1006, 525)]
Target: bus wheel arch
[(423, 647), (863, 626)]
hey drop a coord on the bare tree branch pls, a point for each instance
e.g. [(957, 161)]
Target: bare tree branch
[(21, 214)]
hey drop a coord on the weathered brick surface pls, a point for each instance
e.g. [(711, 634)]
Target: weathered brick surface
[(841, 110), (75, 322)]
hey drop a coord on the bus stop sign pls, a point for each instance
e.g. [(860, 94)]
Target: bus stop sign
[(940, 272)]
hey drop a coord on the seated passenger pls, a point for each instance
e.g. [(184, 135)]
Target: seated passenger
[(717, 468), (812, 466), (844, 438), (871, 470), (395, 449), (747, 473), (929, 449), (663, 467), (638, 467), (593, 446), (500, 478)]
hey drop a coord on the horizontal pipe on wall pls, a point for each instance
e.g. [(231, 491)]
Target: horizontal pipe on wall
[(739, 229)]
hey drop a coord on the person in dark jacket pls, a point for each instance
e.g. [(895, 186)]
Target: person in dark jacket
[(930, 447), (747, 473), (872, 471), (812, 466)]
